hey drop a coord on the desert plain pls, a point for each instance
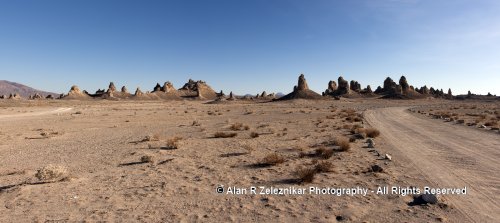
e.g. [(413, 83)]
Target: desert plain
[(161, 161)]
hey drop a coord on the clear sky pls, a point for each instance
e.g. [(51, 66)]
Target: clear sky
[(248, 46)]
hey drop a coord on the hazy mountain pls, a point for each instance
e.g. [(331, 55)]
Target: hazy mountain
[(7, 87)]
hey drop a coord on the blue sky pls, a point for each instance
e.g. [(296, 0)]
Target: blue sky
[(248, 46)]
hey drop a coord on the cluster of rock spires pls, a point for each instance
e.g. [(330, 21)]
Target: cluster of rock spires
[(201, 90), (36, 96), (11, 96), (389, 90), (403, 90), (192, 89)]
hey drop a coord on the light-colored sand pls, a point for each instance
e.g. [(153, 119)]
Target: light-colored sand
[(98, 142), (449, 155), (38, 112)]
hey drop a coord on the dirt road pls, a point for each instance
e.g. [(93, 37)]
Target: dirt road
[(448, 155), (35, 113)]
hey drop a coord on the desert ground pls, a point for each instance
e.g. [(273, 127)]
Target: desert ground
[(161, 161)]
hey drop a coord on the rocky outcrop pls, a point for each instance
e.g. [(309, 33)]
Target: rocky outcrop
[(368, 90), (332, 87), (355, 86), (405, 87), (15, 96), (111, 87), (343, 87), (403, 90), (424, 90), (168, 87), (399, 90), (432, 91), (76, 93), (190, 85), (197, 89), (264, 94), (204, 91), (157, 87), (99, 92), (36, 96), (302, 85), (301, 91), (75, 90), (389, 86), (124, 90), (138, 92), (231, 96)]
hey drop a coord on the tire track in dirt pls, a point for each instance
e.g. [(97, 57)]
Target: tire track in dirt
[(449, 156)]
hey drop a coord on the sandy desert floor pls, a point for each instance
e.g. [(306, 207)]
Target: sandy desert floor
[(101, 146)]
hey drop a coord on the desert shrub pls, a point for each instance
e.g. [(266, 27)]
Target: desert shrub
[(372, 132), (343, 143), (147, 159), (172, 143), (357, 126), (349, 118), (248, 148), (355, 130), (491, 123), (225, 134), (239, 127), (273, 159), (331, 117), (324, 166), (324, 152), (306, 174), (149, 138), (254, 134), (347, 126), (51, 173), (303, 154), (349, 111)]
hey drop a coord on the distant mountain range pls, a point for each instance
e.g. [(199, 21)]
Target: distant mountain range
[(7, 87)]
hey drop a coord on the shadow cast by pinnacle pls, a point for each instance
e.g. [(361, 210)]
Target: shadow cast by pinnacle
[(287, 181), (165, 161), (232, 154), (258, 165), (132, 163)]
